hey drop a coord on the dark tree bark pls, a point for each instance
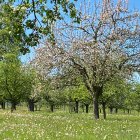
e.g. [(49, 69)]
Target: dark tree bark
[(76, 106), (128, 111), (31, 105), (87, 108), (3, 105), (97, 93), (104, 111), (116, 110), (52, 107), (96, 106), (13, 106), (111, 110)]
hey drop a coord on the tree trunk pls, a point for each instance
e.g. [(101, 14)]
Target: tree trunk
[(3, 105), (96, 107), (104, 111), (13, 106), (87, 107), (97, 92), (116, 110), (52, 107), (111, 110), (31, 105), (76, 106), (128, 111)]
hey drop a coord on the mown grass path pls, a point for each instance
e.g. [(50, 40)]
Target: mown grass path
[(64, 126)]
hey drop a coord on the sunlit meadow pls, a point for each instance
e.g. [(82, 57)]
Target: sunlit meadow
[(42, 125)]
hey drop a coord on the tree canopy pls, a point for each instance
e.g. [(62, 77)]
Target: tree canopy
[(27, 21)]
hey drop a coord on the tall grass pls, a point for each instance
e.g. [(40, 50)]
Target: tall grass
[(40, 125)]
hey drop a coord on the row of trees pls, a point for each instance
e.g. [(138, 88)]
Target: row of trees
[(104, 46), (19, 85), (89, 57), (16, 83)]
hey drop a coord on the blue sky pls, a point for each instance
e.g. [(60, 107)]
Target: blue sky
[(134, 4)]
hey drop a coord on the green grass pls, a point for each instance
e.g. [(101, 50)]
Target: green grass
[(40, 125)]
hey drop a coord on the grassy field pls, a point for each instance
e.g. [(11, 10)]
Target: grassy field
[(40, 125)]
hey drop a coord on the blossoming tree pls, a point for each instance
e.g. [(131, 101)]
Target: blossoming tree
[(105, 44)]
